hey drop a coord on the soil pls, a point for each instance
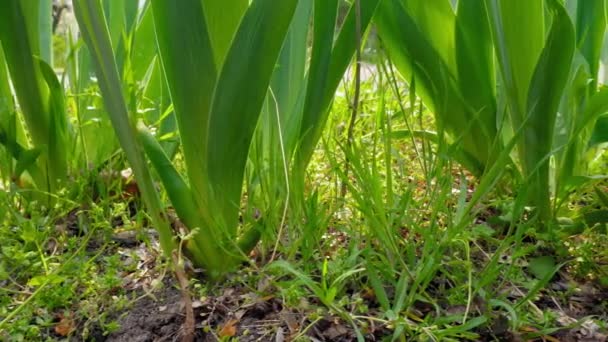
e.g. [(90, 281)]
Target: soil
[(151, 320), (231, 314), (239, 313)]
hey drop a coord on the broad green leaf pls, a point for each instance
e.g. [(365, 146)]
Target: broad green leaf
[(188, 61), (451, 66), (324, 21), (121, 16), (59, 141), (544, 95), (39, 95), (288, 83), (518, 29), (277, 133), (7, 105), (6, 96), (26, 160), (542, 266), (144, 44), (20, 48), (147, 70), (600, 132), (178, 191), (379, 290), (595, 217), (232, 123), (590, 29), (420, 49), (216, 129), (223, 18), (475, 64), (596, 108), (94, 29), (603, 197)]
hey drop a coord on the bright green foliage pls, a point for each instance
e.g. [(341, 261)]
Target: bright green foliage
[(222, 22), (317, 52), (534, 84), (121, 16), (228, 102), (217, 109), (94, 28), (452, 66), (329, 61), (39, 94), (582, 104), (540, 72)]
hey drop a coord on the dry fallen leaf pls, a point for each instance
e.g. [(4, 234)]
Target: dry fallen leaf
[(65, 326), (229, 328)]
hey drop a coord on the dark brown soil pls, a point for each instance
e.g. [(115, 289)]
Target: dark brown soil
[(151, 320), (234, 313), (240, 313)]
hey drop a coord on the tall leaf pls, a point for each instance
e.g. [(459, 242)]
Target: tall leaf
[(187, 56), (36, 88), (232, 123), (452, 67), (545, 91), (316, 109), (222, 22), (215, 128), (324, 21), (518, 30), (93, 26), (590, 29)]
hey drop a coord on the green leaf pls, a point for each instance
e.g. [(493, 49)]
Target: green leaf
[(59, 141), (40, 98), (324, 21), (451, 66), (590, 29), (178, 191), (26, 160), (184, 46), (600, 132), (51, 279), (217, 112), (45, 30), (379, 290), (518, 30), (94, 29), (222, 22), (542, 266), (316, 109), (232, 123), (596, 217), (19, 49), (601, 195), (544, 95)]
